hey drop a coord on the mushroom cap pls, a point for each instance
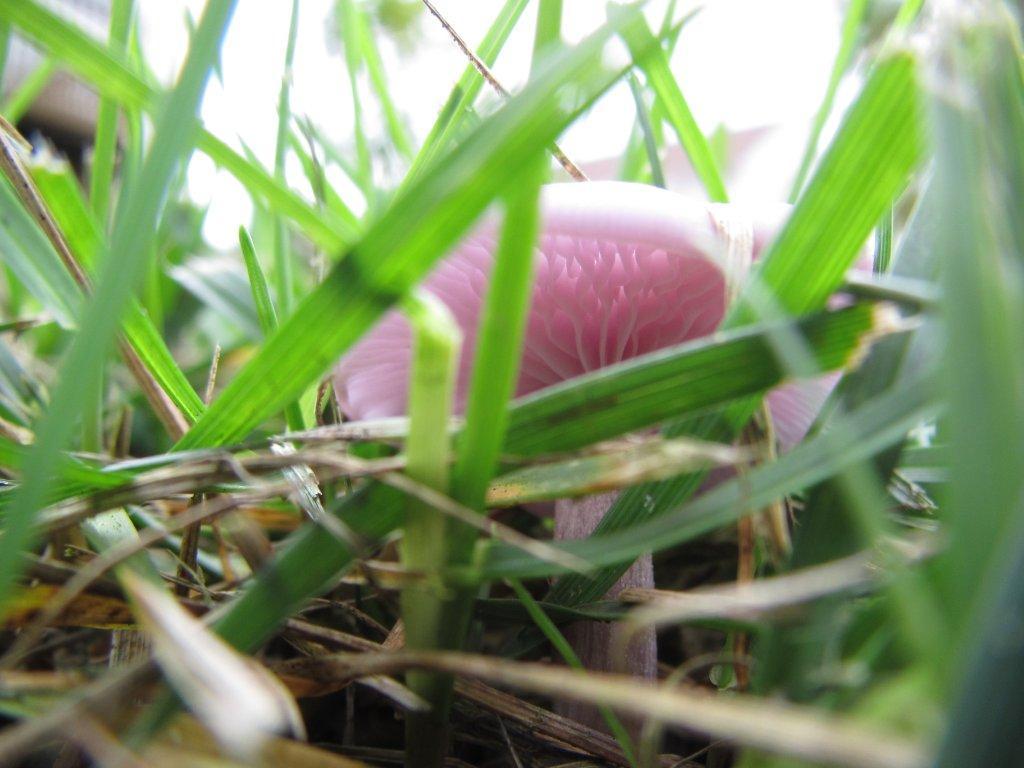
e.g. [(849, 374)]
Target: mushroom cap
[(621, 270)]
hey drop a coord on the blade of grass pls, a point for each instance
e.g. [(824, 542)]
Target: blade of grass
[(562, 647), (378, 81), (283, 273), (844, 56), (134, 225), (104, 152), (331, 232), (348, 33), (314, 169), (907, 13), (453, 115), (27, 253), (548, 34), (60, 190), (654, 64), (101, 181), (643, 119), (684, 379), (883, 244), (623, 380), (495, 370), (421, 223), (266, 313), (5, 45), (978, 118), (258, 282)]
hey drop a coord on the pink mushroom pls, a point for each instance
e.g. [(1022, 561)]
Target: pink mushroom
[(622, 270)]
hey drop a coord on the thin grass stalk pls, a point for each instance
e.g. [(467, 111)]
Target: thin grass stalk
[(101, 182), (652, 59), (564, 649), (650, 141), (495, 370), (353, 60), (104, 153), (283, 272), (378, 81), (265, 312), (452, 116), (436, 343)]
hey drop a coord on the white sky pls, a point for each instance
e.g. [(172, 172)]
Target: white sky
[(741, 64)]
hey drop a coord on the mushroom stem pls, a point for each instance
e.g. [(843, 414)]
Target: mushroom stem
[(595, 642)]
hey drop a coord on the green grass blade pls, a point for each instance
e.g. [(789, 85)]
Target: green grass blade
[(400, 247), (978, 118), (496, 367), (650, 140), (29, 255), (714, 371), (986, 718), (313, 168), (868, 164), (101, 182), (844, 56), (347, 14), (688, 378), (655, 67), (5, 45), (284, 274), (397, 131), (883, 244), (258, 282), (372, 511), (104, 153), (907, 13), (330, 230), (548, 34), (495, 370), (134, 227), (544, 623), (59, 189), (453, 116)]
